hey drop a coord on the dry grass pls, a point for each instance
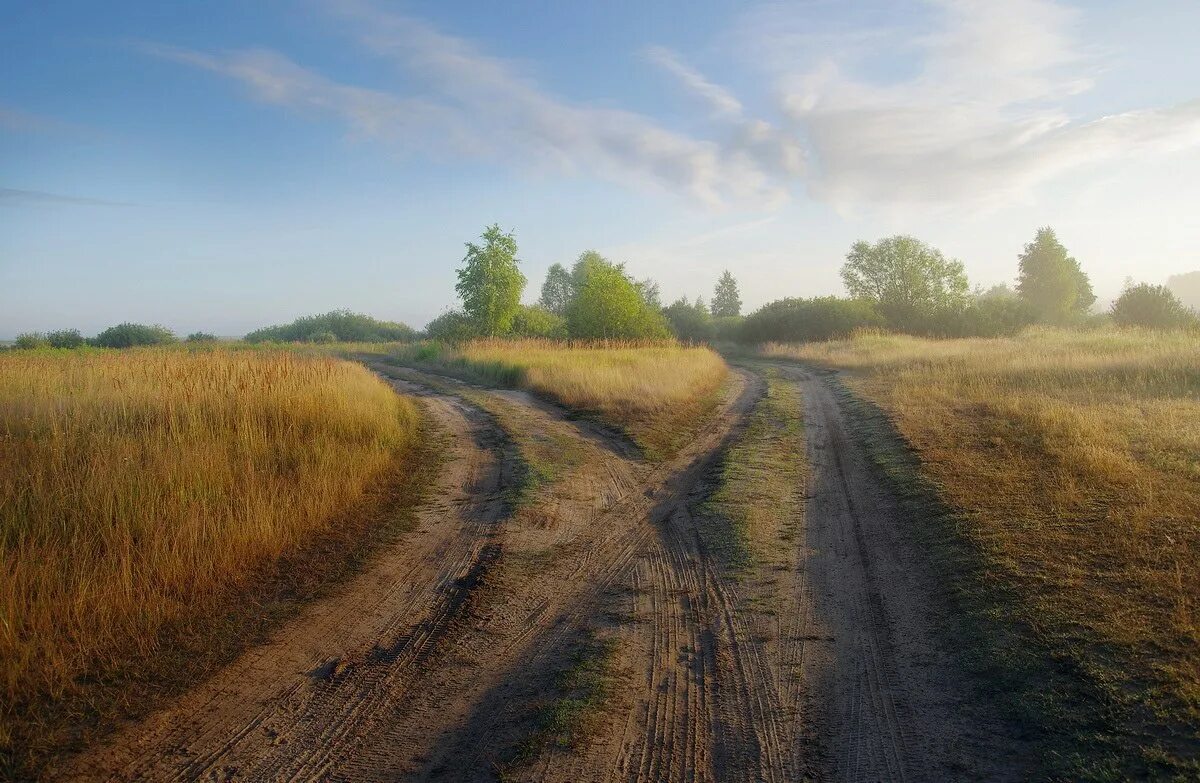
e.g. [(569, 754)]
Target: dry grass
[(656, 392), (134, 485), (1075, 461)]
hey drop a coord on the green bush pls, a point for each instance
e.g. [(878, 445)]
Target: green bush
[(344, 325), (30, 340), (808, 320), (537, 321), (127, 335), (66, 338), (451, 326), (690, 322), (201, 337), (1151, 306), (322, 338)]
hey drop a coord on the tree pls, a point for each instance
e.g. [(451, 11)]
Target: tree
[(1187, 288), (1152, 306), (725, 300), (690, 322), (648, 288), (1052, 282), (490, 282), (906, 279), (608, 305), (558, 290)]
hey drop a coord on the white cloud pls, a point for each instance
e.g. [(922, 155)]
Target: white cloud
[(970, 104), (983, 119), (719, 100)]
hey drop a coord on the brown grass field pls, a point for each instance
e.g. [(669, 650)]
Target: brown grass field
[(135, 485), (1074, 461), (658, 393)]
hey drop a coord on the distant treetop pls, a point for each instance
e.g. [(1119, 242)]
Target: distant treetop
[(343, 325)]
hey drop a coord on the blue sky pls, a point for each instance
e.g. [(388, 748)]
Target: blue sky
[(223, 166)]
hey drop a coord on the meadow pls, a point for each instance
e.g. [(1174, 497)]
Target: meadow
[(658, 393), (1072, 460), (135, 486)]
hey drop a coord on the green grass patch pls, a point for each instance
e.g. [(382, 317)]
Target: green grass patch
[(760, 482)]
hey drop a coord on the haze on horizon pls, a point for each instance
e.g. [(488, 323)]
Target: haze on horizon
[(234, 165)]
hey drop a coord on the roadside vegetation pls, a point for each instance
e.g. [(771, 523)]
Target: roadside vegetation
[(1071, 460), (759, 495), (139, 490), (659, 394)]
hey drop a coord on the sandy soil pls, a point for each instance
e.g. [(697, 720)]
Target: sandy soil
[(432, 663)]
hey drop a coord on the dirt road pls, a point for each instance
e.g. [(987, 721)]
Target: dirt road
[(434, 663)]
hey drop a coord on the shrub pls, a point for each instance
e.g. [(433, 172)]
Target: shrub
[(65, 338), (1152, 306), (201, 337), (30, 340), (805, 320), (690, 322), (451, 326), (608, 304), (322, 337), (127, 335), (344, 325), (537, 321)]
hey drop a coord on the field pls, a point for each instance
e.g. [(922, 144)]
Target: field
[(876, 558), (657, 393), (135, 486), (1072, 459)]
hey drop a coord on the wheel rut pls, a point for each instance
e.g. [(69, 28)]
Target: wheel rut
[(431, 664)]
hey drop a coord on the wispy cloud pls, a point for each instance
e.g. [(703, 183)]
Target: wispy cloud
[(19, 197), (983, 115), (982, 119), (720, 101), (481, 105)]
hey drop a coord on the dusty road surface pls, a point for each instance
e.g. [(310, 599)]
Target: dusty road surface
[(439, 661)]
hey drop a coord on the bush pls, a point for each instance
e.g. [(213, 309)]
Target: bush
[(322, 338), (807, 320), (31, 340), (201, 337), (727, 328), (537, 321), (451, 326), (608, 305), (1151, 306), (127, 335), (690, 322), (344, 325), (65, 338)]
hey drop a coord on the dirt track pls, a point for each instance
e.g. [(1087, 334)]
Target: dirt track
[(431, 664)]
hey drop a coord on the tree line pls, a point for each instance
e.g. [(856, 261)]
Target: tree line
[(898, 283)]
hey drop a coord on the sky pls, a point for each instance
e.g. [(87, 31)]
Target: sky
[(222, 166)]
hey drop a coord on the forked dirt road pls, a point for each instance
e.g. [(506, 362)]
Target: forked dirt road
[(433, 663)]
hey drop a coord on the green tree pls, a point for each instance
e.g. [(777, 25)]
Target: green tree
[(691, 322), (906, 279), (558, 290), (490, 282), (1052, 282), (608, 305), (1152, 306), (725, 300), (648, 288)]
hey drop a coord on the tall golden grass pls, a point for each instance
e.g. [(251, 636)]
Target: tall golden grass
[(1075, 457), (656, 391), (135, 484)]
